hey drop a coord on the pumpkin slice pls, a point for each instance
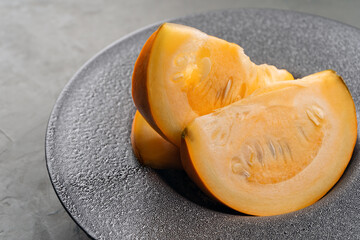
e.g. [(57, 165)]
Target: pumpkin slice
[(150, 148), (182, 73), (276, 151)]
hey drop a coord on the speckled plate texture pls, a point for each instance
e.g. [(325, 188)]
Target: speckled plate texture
[(111, 196)]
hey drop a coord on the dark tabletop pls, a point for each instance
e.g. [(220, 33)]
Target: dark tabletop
[(42, 44)]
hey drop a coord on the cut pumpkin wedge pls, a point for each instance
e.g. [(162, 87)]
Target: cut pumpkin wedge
[(150, 148), (182, 73), (276, 151)]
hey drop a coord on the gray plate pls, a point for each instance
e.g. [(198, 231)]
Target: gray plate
[(107, 192)]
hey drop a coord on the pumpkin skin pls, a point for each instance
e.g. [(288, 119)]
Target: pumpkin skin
[(182, 73), (150, 148), (277, 151)]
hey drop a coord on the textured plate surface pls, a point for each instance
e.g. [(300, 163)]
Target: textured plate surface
[(111, 196)]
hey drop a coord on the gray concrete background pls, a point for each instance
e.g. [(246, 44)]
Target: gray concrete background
[(42, 44)]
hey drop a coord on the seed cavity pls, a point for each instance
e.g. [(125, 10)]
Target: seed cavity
[(178, 77)]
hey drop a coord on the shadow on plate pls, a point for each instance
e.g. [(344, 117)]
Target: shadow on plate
[(181, 183)]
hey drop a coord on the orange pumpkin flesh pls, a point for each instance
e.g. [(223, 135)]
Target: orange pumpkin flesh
[(276, 151), (182, 73), (150, 148)]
